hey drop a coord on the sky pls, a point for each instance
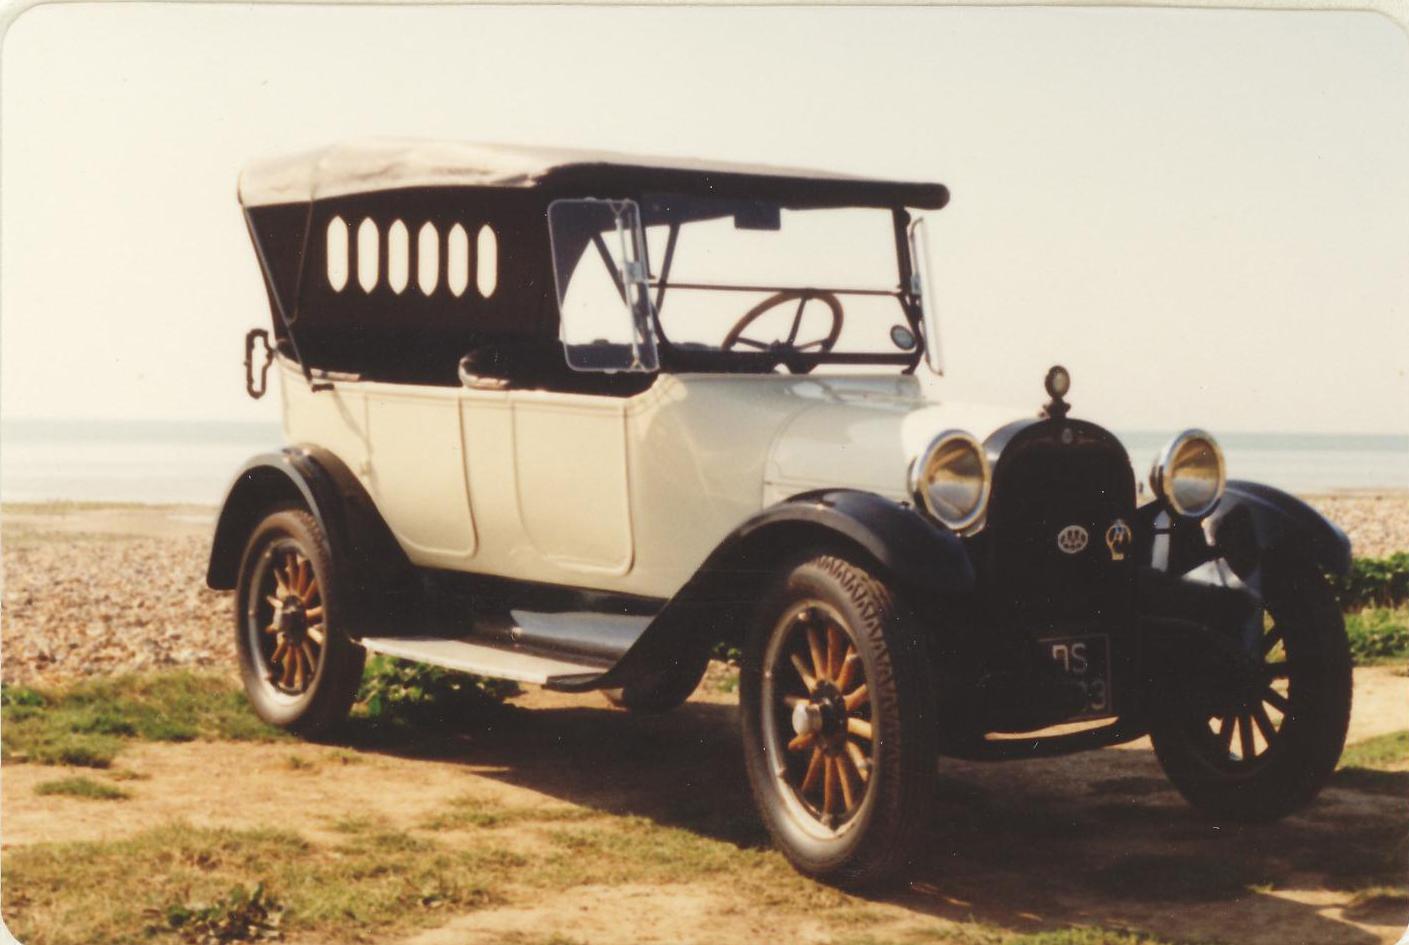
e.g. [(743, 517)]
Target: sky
[(1203, 214)]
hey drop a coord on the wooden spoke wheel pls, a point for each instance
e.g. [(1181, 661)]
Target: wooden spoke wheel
[(300, 672), (836, 708), (288, 610), (819, 712), (1272, 751)]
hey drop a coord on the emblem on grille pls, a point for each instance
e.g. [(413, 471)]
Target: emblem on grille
[(1072, 539), (1119, 538)]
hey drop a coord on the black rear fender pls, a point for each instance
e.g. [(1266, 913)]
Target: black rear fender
[(313, 479)]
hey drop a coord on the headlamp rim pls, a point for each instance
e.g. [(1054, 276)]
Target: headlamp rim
[(917, 483), (1159, 473)]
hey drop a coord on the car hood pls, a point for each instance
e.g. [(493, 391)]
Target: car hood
[(859, 437)]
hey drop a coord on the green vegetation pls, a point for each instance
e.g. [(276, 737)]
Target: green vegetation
[(83, 787), (240, 916), (398, 691), (88, 723), (1369, 765), (1378, 635), (1374, 582), (178, 880), (470, 812), (1382, 751)]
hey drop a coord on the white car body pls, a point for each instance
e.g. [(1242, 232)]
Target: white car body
[(628, 495)]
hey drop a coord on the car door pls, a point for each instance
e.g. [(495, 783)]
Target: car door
[(571, 470), (415, 471)]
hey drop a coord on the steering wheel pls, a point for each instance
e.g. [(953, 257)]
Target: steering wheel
[(785, 349)]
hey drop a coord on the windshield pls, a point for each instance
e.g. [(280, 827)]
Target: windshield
[(756, 286)]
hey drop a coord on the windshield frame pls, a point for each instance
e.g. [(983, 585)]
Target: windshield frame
[(690, 359)]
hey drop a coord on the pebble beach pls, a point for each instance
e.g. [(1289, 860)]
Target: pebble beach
[(103, 589)]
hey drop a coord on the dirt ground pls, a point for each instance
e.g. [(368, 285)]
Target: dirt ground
[(1096, 839)]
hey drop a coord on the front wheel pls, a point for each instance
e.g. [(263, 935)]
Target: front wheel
[(300, 671), (838, 728), (1271, 754)]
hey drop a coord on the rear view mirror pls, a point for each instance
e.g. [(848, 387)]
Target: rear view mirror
[(759, 216)]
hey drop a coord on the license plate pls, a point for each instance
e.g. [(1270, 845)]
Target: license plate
[(1087, 660)]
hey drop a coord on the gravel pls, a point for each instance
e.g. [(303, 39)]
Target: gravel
[(78, 603), (86, 605)]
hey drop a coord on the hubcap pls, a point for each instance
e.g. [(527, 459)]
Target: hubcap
[(817, 718)]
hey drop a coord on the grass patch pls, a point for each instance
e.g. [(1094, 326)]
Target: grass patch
[(470, 812), (1381, 751), (1083, 935), (1363, 765), (1378, 635), (126, 774), (83, 787), (88, 723), (156, 884)]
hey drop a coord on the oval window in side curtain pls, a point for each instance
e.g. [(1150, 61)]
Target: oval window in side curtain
[(457, 260), (368, 263), (427, 258), (487, 257), (335, 250), (398, 257)]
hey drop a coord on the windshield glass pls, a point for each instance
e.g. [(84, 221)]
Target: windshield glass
[(775, 287)]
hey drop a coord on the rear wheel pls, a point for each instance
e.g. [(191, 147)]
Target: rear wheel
[(300, 671), (838, 729), (667, 689), (1273, 752)]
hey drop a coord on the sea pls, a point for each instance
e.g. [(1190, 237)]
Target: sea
[(193, 462)]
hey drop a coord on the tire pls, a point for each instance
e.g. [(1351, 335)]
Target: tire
[(293, 679), (665, 690), (805, 753), (1306, 710)]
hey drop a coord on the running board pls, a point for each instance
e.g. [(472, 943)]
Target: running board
[(498, 662), (546, 649)]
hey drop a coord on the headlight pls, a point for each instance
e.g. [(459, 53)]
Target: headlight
[(1188, 474), (950, 479)]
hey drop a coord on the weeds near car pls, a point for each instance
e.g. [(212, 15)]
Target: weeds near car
[(1374, 582), (240, 916), (179, 881), (1378, 635), (395, 690), (88, 723), (83, 787)]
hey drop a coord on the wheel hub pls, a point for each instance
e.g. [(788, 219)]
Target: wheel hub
[(291, 619)]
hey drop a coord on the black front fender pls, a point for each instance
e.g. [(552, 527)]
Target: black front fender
[(923, 557), (1253, 519), (924, 561)]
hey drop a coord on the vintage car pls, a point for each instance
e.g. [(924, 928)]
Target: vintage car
[(575, 419)]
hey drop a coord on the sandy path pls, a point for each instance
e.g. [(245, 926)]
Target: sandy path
[(1098, 838)]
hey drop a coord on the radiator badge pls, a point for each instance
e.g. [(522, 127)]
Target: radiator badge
[(1072, 539), (1119, 538)]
